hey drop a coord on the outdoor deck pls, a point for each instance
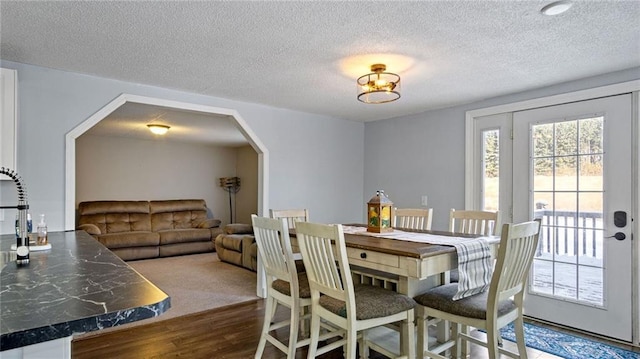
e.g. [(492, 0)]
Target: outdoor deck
[(569, 261)]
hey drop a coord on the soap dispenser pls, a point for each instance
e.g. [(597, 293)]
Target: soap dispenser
[(42, 232)]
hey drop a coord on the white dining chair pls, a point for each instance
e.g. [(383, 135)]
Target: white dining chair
[(413, 218), (352, 309), (291, 215), (285, 286), (474, 222), (489, 310), (484, 223)]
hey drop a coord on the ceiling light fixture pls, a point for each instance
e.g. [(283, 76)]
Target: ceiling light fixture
[(158, 129), (378, 86), (556, 8)]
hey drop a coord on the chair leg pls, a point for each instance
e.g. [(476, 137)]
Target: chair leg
[(363, 346), (492, 341), (314, 335), (463, 342), (455, 336), (273, 310), (408, 329), (423, 329), (294, 326), (268, 309), (304, 325), (350, 350), (519, 331)]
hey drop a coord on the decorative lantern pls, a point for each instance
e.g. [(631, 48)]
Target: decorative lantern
[(379, 213)]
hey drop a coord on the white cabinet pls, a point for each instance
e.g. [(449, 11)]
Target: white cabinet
[(8, 117)]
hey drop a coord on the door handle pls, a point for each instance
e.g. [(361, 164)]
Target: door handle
[(619, 236)]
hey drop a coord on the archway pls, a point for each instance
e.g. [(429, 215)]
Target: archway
[(243, 127)]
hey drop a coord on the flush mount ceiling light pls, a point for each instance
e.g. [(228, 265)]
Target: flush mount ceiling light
[(158, 129), (556, 8), (378, 86)]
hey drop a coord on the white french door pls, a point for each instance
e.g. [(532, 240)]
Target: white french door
[(572, 167)]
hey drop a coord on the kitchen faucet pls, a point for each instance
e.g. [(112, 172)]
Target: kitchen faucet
[(22, 233)]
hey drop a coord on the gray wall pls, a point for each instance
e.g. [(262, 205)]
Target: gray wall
[(119, 168), (423, 154), (315, 161)]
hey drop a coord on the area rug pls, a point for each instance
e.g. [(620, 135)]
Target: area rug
[(566, 345), (195, 283)]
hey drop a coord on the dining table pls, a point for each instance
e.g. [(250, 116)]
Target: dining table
[(413, 265), (417, 266)]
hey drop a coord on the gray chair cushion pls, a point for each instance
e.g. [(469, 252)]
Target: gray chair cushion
[(475, 306), (303, 286), (454, 276), (371, 302)]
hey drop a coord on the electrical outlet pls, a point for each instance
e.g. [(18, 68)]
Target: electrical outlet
[(423, 200)]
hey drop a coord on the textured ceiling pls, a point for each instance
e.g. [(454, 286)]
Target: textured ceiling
[(131, 119), (306, 55)]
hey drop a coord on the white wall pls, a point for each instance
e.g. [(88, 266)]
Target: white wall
[(117, 168), (423, 154), (315, 161)]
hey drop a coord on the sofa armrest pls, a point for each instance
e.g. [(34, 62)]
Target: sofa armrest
[(238, 228), (247, 242), (209, 223), (90, 228)]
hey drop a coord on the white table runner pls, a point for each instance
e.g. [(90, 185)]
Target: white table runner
[(475, 265)]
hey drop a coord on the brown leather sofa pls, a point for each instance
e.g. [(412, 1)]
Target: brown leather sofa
[(237, 245), (150, 229)]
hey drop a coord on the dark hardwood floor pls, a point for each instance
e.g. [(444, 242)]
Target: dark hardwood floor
[(228, 332), (223, 333)]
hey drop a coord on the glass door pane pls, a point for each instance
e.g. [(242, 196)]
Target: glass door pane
[(567, 172), (490, 170)]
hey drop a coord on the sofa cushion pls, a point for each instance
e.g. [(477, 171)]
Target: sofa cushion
[(185, 235), (177, 214), (129, 239), (116, 216)]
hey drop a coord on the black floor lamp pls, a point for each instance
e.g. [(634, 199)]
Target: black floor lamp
[(231, 185)]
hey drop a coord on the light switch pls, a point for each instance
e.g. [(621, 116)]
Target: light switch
[(423, 200)]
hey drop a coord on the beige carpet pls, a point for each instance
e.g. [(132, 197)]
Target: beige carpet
[(195, 283)]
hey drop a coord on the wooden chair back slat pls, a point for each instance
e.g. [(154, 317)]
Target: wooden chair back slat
[(413, 218), (274, 248), (474, 222), (291, 215), (323, 250), (516, 252)]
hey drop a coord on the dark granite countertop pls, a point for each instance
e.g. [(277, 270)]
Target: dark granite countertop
[(75, 287)]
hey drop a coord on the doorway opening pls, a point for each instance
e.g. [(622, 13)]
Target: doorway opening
[(233, 115)]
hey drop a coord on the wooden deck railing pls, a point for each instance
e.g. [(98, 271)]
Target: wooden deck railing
[(575, 233)]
